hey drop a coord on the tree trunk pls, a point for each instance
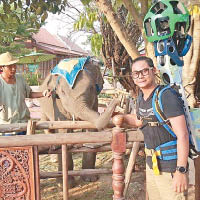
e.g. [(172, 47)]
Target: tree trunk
[(130, 7), (113, 50), (149, 50), (106, 7), (191, 60)]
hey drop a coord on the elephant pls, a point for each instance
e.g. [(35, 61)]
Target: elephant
[(80, 101)]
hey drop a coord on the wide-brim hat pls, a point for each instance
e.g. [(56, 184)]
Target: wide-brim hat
[(7, 59)]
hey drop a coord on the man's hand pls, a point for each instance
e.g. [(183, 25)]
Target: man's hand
[(180, 182), (129, 120), (47, 93), (116, 113)]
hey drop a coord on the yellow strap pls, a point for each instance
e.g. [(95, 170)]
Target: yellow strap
[(155, 164), (154, 154)]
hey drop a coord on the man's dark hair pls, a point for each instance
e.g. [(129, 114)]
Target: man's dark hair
[(148, 60)]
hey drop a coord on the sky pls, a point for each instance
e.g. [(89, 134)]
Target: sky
[(63, 25)]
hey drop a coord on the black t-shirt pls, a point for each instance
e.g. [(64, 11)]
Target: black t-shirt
[(157, 135)]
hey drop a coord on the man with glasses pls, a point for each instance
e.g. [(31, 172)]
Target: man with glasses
[(166, 179)]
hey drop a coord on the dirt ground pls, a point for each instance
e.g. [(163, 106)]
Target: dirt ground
[(100, 190)]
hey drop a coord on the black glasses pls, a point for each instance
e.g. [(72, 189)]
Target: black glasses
[(144, 72)]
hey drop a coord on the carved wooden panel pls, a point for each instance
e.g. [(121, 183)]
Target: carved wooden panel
[(17, 173)]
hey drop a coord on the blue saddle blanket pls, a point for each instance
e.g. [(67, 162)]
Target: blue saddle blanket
[(69, 68)]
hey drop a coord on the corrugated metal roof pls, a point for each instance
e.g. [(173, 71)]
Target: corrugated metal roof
[(56, 44), (43, 36), (72, 45)]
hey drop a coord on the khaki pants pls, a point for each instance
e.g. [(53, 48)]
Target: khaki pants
[(159, 187)]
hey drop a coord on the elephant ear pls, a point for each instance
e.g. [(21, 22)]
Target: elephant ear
[(96, 75), (50, 83), (99, 80), (47, 82)]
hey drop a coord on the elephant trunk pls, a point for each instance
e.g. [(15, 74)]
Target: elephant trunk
[(103, 120), (87, 114)]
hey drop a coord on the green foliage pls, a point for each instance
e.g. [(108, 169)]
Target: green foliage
[(13, 25), (117, 4), (32, 79), (86, 2), (87, 21), (16, 49), (96, 43), (33, 7), (16, 26)]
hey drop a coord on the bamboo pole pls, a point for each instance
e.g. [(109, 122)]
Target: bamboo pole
[(49, 125), (48, 150), (83, 172), (114, 91), (131, 164), (65, 138), (104, 71), (113, 71)]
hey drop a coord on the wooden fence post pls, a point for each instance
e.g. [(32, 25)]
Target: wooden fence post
[(65, 171), (31, 127), (118, 146), (37, 172)]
